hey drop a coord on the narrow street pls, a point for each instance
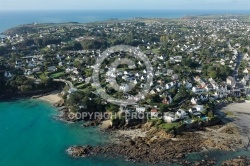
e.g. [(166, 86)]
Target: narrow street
[(238, 62), (71, 86)]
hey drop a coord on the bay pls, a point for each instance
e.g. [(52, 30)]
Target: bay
[(30, 135)]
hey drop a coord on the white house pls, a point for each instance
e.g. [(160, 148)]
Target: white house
[(76, 72), (140, 109), (160, 57), (198, 90), (246, 56), (124, 88), (37, 69), (188, 85), (213, 83), (72, 90), (231, 81), (169, 117), (175, 77), (153, 91), (245, 71), (208, 87), (169, 85), (28, 72), (197, 108), (181, 114), (52, 69), (194, 101), (170, 72), (157, 73), (70, 69), (178, 59), (80, 79), (7, 74), (135, 82)]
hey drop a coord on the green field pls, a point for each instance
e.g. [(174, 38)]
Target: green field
[(57, 75), (155, 51), (80, 86), (169, 126)]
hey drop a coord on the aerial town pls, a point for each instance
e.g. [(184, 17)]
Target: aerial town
[(197, 65), (177, 72)]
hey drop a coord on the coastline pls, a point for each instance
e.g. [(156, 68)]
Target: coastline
[(10, 96), (231, 136), (234, 133), (52, 97)]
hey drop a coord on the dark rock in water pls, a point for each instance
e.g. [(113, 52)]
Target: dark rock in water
[(95, 122), (79, 151), (66, 116), (59, 104)]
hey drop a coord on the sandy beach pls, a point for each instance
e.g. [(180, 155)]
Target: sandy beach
[(52, 98), (236, 131), (105, 124)]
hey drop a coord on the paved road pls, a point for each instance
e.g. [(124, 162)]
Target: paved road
[(71, 86), (123, 103), (238, 62)]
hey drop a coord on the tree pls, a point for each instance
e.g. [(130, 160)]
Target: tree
[(112, 108), (3, 50), (164, 38), (43, 69), (155, 98), (85, 101)]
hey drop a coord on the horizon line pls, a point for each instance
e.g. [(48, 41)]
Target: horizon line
[(121, 9)]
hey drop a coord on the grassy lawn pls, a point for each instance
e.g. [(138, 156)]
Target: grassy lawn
[(183, 28), (230, 114), (42, 77), (169, 126), (45, 49), (57, 75), (155, 51), (80, 86)]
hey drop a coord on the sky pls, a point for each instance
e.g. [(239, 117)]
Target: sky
[(123, 4)]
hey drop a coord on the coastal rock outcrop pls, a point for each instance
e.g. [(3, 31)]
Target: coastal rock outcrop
[(95, 122), (59, 104), (240, 161), (79, 151), (148, 149)]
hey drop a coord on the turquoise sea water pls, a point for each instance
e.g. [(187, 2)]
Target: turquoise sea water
[(30, 136)]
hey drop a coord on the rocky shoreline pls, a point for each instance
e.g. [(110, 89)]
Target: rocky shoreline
[(160, 147), (156, 147), (239, 161)]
